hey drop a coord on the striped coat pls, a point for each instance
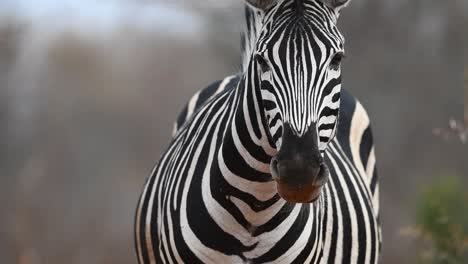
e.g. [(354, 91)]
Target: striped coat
[(215, 197), (351, 219)]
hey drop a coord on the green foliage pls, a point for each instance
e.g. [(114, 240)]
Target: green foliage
[(442, 221)]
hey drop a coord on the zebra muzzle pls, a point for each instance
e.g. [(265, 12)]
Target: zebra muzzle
[(299, 169), (299, 184)]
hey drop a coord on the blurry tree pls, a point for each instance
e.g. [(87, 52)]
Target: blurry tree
[(441, 213), (442, 222)]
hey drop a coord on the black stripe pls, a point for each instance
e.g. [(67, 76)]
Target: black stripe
[(347, 107), (366, 146)]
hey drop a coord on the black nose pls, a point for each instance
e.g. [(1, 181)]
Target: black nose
[(299, 161), (299, 171)]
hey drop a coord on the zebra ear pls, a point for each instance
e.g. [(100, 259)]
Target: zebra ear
[(261, 4), (337, 5)]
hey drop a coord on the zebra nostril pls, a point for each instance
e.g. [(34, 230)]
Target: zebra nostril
[(274, 168)]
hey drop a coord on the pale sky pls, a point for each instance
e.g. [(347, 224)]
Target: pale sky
[(103, 13)]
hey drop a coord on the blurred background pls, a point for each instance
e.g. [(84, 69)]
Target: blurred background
[(89, 90)]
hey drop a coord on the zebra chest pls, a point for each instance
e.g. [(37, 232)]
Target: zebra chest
[(352, 229), (195, 219), (218, 235)]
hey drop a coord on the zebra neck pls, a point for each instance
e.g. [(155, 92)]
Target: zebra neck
[(243, 162), (249, 125)]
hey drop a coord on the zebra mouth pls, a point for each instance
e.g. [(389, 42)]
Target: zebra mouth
[(299, 168), (299, 185), (302, 194)]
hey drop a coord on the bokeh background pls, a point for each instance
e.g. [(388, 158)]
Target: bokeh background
[(89, 90)]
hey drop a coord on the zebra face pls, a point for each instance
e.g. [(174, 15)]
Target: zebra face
[(297, 61)]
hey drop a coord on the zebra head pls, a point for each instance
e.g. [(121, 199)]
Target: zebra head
[(296, 61)]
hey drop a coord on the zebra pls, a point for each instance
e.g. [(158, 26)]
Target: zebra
[(274, 165)]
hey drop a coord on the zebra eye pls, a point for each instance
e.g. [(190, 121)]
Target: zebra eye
[(336, 61), (264, 66)]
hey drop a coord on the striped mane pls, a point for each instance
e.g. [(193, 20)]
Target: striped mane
[(250, 34)]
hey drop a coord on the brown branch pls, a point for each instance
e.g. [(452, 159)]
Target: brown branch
[(456, 128)]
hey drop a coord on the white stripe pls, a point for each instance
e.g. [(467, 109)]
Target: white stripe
[(362, 203), (260, 218), (138, 226), (268, 240), (191, 105), (262, 191), (174, 129), (248, 158), (371, 164), (376, 199), (149, 212), (204, 253), (351, 210), (302, 240), (223, 84), (359, 124)]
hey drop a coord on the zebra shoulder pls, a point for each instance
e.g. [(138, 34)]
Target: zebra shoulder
[(355, 136), (200, 98)]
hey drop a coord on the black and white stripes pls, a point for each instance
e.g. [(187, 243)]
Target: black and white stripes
[(299, 51), (212, 198)]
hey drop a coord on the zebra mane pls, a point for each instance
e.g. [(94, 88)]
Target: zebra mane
[(249, 36)]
